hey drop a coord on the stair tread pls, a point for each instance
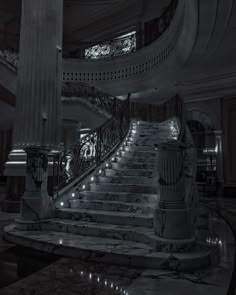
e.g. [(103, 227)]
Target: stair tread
[(119, 193), (129, 169), (124, 184), (102, 225), (127, 176), (143, 204), (111, 213)]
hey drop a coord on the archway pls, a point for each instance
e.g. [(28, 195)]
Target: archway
[(203, 133)]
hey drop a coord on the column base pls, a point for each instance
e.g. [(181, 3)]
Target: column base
[(174, 224), (36, 208)]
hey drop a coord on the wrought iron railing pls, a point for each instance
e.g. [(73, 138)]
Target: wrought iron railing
[(110, 48), (99, 99), (91, 150)]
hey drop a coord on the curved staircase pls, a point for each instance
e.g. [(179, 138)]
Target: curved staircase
[(112, 219)]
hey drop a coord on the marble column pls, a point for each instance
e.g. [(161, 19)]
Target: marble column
[(39, 74), (36, 204), (173, 219), (37, 121)]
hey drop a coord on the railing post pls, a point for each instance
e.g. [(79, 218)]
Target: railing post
[(36, 204)]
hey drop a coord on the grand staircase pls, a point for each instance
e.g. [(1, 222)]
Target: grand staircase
[(111, 220)]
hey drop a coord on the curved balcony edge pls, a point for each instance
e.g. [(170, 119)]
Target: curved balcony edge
[(145, 68)]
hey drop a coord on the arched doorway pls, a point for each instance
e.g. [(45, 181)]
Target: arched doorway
[(204, 136)]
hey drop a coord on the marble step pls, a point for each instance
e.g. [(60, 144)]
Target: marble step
[(144, 208), (119, 218), (127, 180), (111, 231), (106, 250), (128, 172), (146, 161), (119, 197), (140, 154), (127, 159), (129, 188), (141, 148), (132, 165)]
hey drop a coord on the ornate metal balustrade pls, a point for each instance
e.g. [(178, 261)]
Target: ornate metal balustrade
[(129, 43), (100, 99), (91, 150), (111, 48)]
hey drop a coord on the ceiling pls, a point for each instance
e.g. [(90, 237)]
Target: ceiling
[(84, 20)]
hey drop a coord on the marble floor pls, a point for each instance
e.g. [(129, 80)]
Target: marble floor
[(73, 276)]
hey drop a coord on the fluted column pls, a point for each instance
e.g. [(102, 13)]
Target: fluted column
[(37, 121), (39, 74), (173, 219)]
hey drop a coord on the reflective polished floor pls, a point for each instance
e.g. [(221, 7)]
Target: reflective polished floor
[(71, 276)]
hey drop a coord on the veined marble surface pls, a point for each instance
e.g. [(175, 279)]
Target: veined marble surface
[(73, 276)]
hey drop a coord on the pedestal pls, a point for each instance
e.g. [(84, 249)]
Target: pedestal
[(173, 219), (36, 203)]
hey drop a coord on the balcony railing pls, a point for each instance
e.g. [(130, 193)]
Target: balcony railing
[(128, 43), (123, 45)]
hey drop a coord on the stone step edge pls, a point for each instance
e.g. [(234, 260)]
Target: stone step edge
[(140, 204), (124, 184), (126, 177), (146, 233), (144, 258), (129, 170), (109, 213), (136, 195)]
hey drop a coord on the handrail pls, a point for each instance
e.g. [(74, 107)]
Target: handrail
[(90, 151), (100, 99)]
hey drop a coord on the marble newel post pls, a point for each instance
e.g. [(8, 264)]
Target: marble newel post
[(37, 124), (173, 220), (36, 204)]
